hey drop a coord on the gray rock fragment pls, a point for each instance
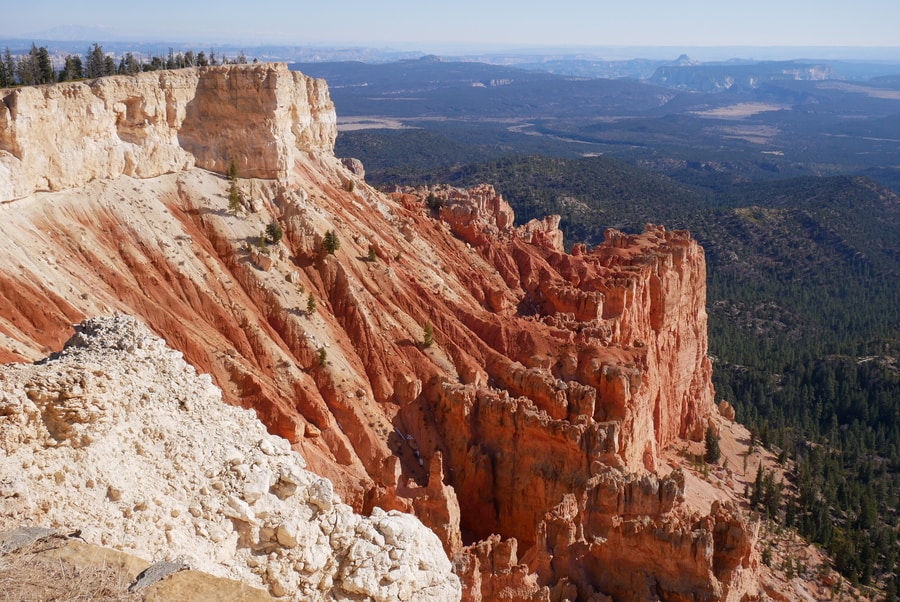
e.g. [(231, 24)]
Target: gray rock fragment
[(156, 572), (19, 538)]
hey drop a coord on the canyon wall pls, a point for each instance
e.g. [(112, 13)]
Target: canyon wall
[(527, 431), (61, 136)]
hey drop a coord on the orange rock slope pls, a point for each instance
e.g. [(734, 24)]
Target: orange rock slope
[(527, 435)]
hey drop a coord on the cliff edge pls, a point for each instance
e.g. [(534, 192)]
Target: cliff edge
[(62, 136)]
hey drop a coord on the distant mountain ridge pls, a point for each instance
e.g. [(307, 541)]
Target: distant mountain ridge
[(712, 78)]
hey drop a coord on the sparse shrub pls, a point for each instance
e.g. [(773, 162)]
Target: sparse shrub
[(373, 256), (428, 335), (274, 232), (322, 355), (263, 244), (787, 565), (311, 304), (34, 574)]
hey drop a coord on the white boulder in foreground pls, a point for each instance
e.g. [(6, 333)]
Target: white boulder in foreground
[(119, 437)]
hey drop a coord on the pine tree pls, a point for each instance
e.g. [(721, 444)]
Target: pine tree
[(330, 242), (96, 62), (129, 65), (234, 199), (26, 68), (771, 496), (756, 493), (10, 67), (235, 206), (713, 452), (311, 304), (44, 66), (5, 77), (72, 70), (433, 203)]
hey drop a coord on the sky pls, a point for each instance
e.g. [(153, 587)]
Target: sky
[(427, 25)]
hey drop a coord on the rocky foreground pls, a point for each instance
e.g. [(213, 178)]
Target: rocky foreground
[(526, 430), (118, 437)]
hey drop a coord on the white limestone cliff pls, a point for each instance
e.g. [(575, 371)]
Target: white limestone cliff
[(61, 136)]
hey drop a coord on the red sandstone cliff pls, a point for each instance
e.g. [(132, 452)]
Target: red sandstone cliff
[(528, 436)]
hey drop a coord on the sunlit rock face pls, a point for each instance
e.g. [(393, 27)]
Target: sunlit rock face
[(117, 436), (145, 125), (527, 431)]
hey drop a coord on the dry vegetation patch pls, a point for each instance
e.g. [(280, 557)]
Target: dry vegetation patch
[(51, 570)]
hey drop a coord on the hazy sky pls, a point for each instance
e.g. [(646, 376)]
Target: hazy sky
[(426, 24)]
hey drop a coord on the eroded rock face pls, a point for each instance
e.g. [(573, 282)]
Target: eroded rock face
[(118, 436), (145, 125), (552, 382)]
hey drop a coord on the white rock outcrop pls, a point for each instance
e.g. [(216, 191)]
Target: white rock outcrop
[(119, 437), (61, 136)]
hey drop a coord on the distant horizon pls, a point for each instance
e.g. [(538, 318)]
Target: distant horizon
[(886, 54), (866, 29)]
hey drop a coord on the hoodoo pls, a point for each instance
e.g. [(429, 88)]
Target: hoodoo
[(527, 432)]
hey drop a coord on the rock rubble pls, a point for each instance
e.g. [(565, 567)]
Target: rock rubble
[(118, 436)]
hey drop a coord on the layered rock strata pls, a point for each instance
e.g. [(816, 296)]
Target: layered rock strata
[(556, 444), (259, 116), (552, 382)]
